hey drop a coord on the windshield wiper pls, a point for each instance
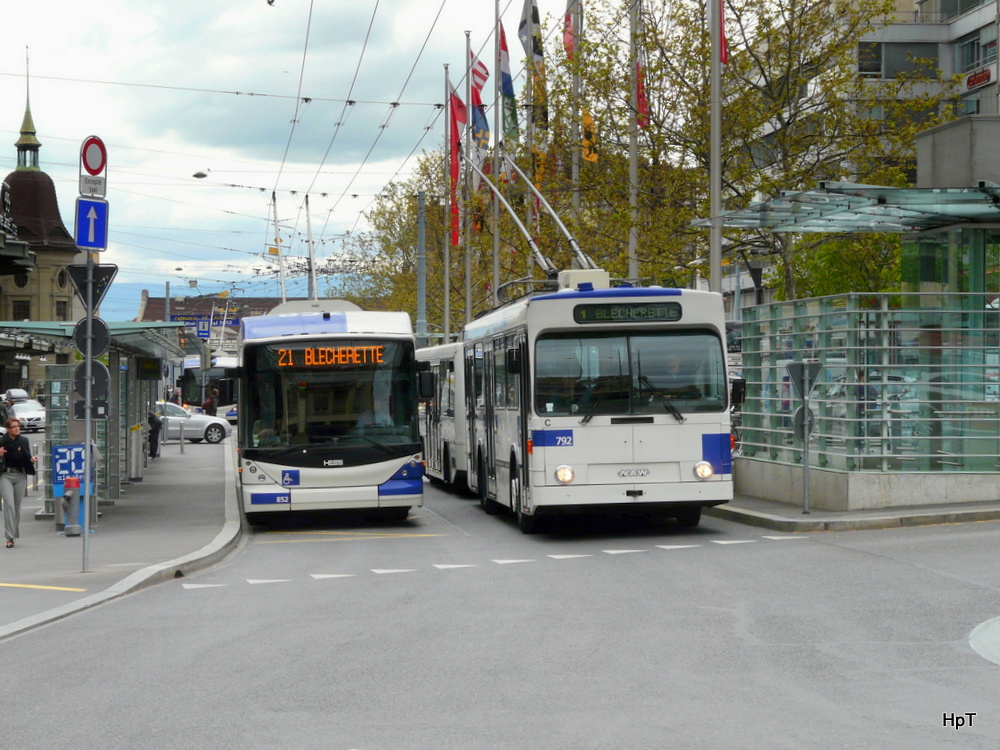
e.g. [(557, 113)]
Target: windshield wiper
[(667, 400)]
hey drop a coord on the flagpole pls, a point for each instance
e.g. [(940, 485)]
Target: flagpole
[(576, 18), (466, 191), (446, 270), (715, 150), (529, 131), (633, 149), (497, 124)]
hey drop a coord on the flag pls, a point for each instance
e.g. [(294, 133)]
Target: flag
[(480, 125), (589, 138), (641, 103), (456, 115), (723, 47), (531, 39), (569, 29), (508, 99)]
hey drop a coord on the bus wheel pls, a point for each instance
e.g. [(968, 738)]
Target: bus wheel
[(394, 514), (488, 505), (446, 467), (688, 518), (527, 524)]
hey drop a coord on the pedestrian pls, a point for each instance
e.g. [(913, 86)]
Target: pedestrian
[(155, 424), (175, 397), (18, 465), (211, 405)]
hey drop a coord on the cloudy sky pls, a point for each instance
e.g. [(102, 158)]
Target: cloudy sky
[(253, 95)]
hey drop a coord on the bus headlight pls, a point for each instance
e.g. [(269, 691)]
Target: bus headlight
[(703, 470), (565, 474)]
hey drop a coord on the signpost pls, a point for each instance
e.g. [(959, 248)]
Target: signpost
[(803, 377), (91, 334)]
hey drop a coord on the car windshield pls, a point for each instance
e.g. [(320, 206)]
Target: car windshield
[(29, 405), (650, 373)]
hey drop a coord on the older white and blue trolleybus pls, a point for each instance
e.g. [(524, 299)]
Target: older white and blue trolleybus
[(328, 411), (443, 425), (591, 397)]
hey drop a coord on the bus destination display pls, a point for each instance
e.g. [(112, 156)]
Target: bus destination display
[(628, 312), (331, 356)]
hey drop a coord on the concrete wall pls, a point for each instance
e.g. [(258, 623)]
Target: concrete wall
[(959, 153), (840, 491)]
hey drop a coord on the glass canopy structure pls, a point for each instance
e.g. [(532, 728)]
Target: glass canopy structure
[(847, 207)]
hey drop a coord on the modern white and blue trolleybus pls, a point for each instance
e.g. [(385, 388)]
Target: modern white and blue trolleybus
[(592, 397), (328, 411)]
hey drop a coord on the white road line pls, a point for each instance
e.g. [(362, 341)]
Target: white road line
[(621, 551), (203, 585), (382, 572), (783, 538), (254, 581), (733, 541), (566, 557), (451, 567), (511, 562), (677, 546), (332, 575)]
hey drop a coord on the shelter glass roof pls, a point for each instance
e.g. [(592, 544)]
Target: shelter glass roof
[(845, 207)]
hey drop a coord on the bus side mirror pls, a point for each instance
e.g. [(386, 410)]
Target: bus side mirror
[(514, 361), (737, 391), (425, 385)]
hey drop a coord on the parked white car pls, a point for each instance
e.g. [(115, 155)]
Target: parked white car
[(31, 414), (197, 427)]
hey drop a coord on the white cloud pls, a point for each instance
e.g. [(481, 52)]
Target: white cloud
[(156, 81)]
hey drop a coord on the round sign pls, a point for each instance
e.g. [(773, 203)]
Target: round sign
[(100, 340), (100, 380), (803, 422), (93, 155)]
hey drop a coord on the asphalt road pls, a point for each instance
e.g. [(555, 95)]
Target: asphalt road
[(454, 630)]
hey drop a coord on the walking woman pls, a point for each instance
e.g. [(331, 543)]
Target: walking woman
[(19, 464)]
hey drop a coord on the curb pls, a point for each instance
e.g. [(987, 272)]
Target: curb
[(866, 523)]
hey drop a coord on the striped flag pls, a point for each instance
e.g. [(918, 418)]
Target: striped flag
[(480, 125), (569, 29), (507, 96), (531, 39), (457, 115)]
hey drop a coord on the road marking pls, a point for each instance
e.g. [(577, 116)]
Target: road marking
[(450, 567), (566, 557), (783, 538), (254, 581), (342, 537), (985, 640), (621, 551), (677, 546), (733, 541), (386, 572), (512, 562), (41, 588), (203, 585), (332, 575)]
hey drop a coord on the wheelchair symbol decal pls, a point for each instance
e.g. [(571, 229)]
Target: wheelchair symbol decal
[(289, 477)]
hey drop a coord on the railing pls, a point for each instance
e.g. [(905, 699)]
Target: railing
[(910, 383)]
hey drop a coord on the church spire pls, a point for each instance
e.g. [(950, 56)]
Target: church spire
[(27, 144)]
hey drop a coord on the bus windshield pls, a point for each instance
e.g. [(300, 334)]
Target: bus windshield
[(348, 392), (659, 372)]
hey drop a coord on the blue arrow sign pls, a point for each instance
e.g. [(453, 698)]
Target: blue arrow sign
[(91, 223)]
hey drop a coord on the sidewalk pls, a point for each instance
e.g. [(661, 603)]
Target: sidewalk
[(182, 516), (779, 516)]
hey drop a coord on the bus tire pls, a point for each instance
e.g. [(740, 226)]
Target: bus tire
[(488, 505), (395, 514), (527, 524), (688, 518), (446, 466)]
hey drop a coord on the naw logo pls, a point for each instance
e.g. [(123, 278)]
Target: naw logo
[(633, 473)]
